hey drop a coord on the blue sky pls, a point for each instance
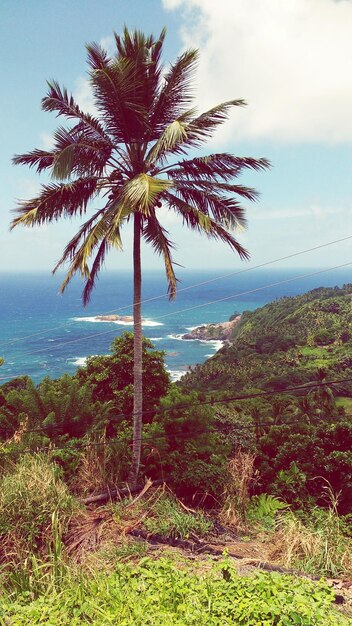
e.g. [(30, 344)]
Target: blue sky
[(289, 60)]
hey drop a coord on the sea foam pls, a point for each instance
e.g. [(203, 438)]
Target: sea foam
[(95, 320), (80, 361), (176, 374)]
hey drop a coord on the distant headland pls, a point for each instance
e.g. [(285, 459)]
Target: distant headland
[(213, 332)]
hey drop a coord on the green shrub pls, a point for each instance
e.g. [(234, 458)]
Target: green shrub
[(110, 379), (157, 592), (192, 453)]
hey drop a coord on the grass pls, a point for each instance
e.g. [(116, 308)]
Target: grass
[(162, 514), (236, 499), (318, 545), (309, 351), (128, 550), (32, 496), (170, 521), (316, 357)]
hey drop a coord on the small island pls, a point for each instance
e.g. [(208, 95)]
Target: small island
[(213, 332), (114, 318)]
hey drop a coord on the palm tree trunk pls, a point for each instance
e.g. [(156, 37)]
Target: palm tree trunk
[(137, 354)]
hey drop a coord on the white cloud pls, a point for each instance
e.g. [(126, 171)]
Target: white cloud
[(83, 95), (47, 141), (290, 60), (108, 44)]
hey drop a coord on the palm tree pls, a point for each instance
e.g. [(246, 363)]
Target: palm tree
[(121, 156)]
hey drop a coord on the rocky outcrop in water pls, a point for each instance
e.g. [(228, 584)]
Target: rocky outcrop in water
[(114, 318), (213, 332)]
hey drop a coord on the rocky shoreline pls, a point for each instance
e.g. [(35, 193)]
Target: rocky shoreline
[(213, 332)]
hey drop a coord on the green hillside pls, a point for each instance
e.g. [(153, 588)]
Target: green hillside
[(283, 344)]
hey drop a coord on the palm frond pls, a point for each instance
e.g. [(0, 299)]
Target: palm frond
[(56, 201), (79, 237), (125, 86), (101, 224), (97, 57), (58, 100), (96, 267), (41, 159), (203, 127), (81, 248), (175, 92), (216, 166), (224, 209), (171, 140), (186, 186), (140, 193), (196, 220), (157, 236), (118, 93), (76, 153), (146, 54), (63, 163)]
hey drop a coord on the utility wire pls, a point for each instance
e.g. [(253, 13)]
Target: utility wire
[(162, 436), (195, 285), (245, 293), (209, 303), (179, 407)]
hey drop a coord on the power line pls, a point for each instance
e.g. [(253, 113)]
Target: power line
[(161, 436), (230, 274), (246, 293), (209, 303), (261, 394)]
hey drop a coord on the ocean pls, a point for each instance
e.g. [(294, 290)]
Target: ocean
[(44, 333)]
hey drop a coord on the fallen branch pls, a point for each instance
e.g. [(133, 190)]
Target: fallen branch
[(147, 486), (113, 494)]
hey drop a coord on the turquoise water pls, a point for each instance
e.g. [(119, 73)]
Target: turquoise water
[(43, 333)]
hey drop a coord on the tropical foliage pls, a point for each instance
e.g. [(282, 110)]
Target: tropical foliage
[(303, 438), (284, 344), (110, 379), (121, 155)]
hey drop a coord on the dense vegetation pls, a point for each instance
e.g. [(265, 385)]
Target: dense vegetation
[(279, 465), (162, 593), (303, 438), (283, 344)]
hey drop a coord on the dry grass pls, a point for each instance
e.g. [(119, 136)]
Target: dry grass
[(29, 496), (95, 470), (108, 525), (241, 475), (318, 549)]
